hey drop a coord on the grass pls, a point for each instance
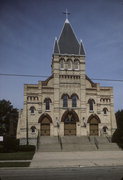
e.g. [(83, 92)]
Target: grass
[(14, 164), (17, 156)]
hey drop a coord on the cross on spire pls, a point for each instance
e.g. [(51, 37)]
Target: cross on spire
[(66, 13)]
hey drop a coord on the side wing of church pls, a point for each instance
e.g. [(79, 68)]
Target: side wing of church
[(68, 103)]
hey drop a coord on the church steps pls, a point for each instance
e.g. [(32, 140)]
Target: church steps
[(74, 143), (48, 140), (78, 147), (75, 140), (109, 147), (49, 148)]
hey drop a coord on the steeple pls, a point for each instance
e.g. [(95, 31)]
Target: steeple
[(67, 42)]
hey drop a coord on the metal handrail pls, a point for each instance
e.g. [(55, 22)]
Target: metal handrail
[(60, 141), (96, 143), (38, 137)]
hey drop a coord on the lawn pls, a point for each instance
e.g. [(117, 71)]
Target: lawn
[(17, 156), (14, 164)]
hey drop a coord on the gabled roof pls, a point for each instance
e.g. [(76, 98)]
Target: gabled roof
[(67, 42)]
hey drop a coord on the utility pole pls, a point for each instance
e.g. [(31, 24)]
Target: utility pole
[(27, 135)]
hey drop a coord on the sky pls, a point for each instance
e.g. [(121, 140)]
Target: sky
[(27, 32)]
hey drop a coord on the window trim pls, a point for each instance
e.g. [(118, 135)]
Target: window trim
[(76, 60), (32, 111), (63, 64)]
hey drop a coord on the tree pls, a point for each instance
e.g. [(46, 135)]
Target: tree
[(119, 119), (8, 118), (118, 134)]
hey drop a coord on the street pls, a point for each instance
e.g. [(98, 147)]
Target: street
[(78, 173)]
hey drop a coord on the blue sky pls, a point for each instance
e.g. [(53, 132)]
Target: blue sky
[(28, 29)]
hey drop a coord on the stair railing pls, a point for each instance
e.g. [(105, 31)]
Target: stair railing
[(89, 139), (96, 143), (38, 138), (59, 137), (60, 141), (108, 139)]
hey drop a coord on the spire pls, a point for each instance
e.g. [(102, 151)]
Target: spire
[(67, 42), (56, 48)]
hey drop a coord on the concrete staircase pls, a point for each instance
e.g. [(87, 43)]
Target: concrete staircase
[(74, 143), (49, 144), (104, 144)]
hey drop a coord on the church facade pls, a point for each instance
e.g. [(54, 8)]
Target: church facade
[(68, 103)]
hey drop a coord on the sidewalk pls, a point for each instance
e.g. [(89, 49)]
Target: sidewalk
[(77, 159)]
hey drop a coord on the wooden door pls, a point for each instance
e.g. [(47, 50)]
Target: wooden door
[(70, 129), (45, 127), (94, 127)]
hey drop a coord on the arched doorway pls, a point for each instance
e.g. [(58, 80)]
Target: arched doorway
[(45, 121), (70, 118), (94, 121)]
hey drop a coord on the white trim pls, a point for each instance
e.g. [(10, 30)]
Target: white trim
[(67, 21)]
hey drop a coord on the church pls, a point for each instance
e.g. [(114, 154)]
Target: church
[(68, 103)]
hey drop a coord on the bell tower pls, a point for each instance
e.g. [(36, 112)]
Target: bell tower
[(68, 67)]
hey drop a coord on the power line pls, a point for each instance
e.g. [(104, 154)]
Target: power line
[(30, 75), (115, 80), (22, 75)]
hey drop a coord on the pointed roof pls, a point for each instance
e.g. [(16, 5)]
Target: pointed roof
[(81, 52), (67, 42)]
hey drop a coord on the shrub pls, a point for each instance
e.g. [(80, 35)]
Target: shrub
[(10, 144), (26, 148), (1, 148), (118, 136)]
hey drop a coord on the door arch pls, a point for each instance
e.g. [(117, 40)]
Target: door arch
[(45, 121), (70, 118), (94, 121)]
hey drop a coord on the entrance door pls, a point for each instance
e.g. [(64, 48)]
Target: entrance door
[(70, 129), (94, 127), (70, 125), (45, 127)]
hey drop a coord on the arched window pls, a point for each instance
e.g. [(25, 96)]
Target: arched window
[(74, 100), (76, 64), (32, 109), (105, 110), (47, 102), (69, 64), (65, 100), (61, 63), (91, 103), (33, 128), (105, 129)]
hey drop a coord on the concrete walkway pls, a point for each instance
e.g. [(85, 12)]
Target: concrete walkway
[(75, 159)]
